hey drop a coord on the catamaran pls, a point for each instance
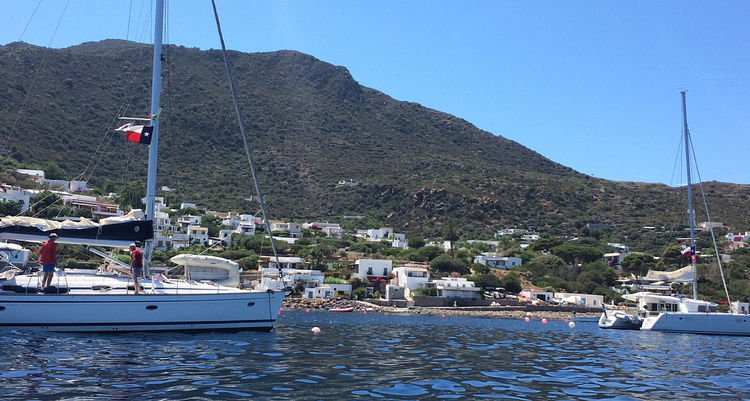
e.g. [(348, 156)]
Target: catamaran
[(82, 301), (679, 314)]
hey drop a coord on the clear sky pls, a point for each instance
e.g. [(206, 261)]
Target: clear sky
[(593, 85)]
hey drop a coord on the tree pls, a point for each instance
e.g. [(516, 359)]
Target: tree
[(43, 201), (447, 264), (10, 208), (249, 262), (672, 256), (53, 172), (131, 195), (638, 263), (213, 223), (484, 280), (546, 243), (451, 234), (512, 283), (360, 293), (416, 242), (573, 254)]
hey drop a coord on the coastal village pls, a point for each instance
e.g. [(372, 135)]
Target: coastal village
[(495, 276)]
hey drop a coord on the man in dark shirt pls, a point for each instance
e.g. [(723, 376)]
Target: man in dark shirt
[(136, 266)]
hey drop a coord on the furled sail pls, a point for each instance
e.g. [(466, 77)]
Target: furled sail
[(684, 275), (117, 231)]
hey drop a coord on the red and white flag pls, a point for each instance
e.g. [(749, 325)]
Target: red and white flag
[(137, 133)]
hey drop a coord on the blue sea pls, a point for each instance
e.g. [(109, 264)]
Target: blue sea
[(378, 356)]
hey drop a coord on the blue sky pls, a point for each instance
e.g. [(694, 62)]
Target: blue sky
[(593, 85)]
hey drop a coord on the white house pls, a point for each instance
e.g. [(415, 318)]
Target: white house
[(286, 262), (162, 222), (333, 232), (185, 205), (226, 236), (410, 277), (508, 231), (232, 220), (188, 220), (498, 262), (456, 287), (371, 268), (534, 295), (376, 234), (310, 278), (16, 194), (36, 175), (587, 300), (529, 238), (162, 242), (180, 240), (294, 229), (329, 291), (198, 234), (399, 241)]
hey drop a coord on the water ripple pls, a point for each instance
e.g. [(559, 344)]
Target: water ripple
[(378, 356)]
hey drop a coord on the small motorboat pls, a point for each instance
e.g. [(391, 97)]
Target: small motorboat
[(349, 309)]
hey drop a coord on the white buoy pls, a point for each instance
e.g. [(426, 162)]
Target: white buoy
[(544, 321), (315, 330), (572, 324)]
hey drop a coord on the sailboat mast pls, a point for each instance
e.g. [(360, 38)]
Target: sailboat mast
[(691, 212), (155, 105)]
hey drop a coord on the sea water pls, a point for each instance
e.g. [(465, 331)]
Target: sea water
[(378, 356)]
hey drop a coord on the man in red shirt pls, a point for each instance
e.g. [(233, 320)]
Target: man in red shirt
[(136, 266), (48, 260)]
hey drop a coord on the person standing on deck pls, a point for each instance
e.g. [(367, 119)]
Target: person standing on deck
[(48, 260), (136, 266)]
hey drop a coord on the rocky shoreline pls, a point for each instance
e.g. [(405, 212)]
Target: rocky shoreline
[(493, 311)]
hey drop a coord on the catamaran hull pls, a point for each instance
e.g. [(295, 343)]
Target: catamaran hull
[(699, 323), (148, 312)]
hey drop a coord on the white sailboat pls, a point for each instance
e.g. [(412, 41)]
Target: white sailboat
[(104, 302), (675, 313)]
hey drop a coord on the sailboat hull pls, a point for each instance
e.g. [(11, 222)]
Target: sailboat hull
[(699, 323), (147, 312)]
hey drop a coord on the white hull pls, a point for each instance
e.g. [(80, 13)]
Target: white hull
[(105, 303), (619, 320), (147, 312), (699, 323)]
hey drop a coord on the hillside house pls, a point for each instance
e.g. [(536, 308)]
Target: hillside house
[(534, 295), (294, 229), (98, 209), (410, 277), (198, 235), (369, 269), (585, 300), (16, 194), (329, 291), (455, 287), (498, 262)]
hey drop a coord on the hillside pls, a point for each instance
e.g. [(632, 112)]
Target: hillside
[(311, 125)]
